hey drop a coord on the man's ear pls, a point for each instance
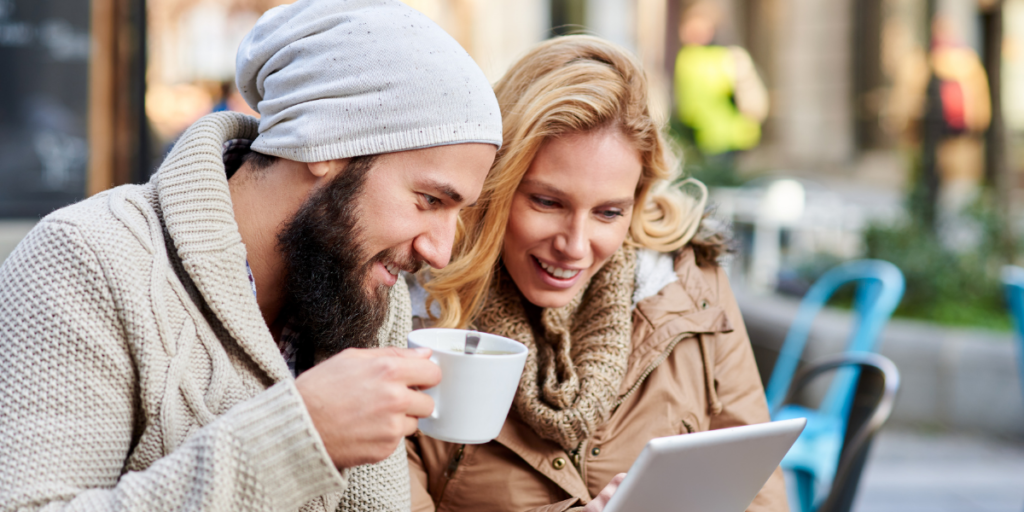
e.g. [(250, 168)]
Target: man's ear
[(319, 169), (328, 169)]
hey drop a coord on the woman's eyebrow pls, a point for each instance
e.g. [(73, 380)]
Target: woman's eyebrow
[(621, 203), (625, 202), (551, 189)]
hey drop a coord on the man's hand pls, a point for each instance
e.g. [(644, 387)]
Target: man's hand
[(598, 503), (362, 402)]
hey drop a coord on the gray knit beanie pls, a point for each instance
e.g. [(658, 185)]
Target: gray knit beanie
[(341, 78)]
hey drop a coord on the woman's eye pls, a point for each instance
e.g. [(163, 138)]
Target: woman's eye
[(609, 214), (544, 202)]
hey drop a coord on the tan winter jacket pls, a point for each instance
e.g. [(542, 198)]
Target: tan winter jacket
[(136, 372), (691, 369)]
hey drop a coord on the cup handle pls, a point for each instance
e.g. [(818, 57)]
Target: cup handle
[(434, 414)]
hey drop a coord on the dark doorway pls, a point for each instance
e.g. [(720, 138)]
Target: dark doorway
[(568, 17)]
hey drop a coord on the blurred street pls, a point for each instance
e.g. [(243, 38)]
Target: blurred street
[(916, 471)]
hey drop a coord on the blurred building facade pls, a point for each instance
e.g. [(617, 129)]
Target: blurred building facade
[(192, 42), (841, 74), (847, 78), (838, 72)]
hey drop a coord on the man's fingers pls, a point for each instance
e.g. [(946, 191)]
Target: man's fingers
[(370, 353), (416, 353), (419, 373), (409, 426), (367, 353), (421, 405)]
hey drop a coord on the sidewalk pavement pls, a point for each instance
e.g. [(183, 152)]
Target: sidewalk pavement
[(915, 471)]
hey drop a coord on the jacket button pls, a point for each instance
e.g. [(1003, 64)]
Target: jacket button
[(703, 304), (558, 463), (596, 451)]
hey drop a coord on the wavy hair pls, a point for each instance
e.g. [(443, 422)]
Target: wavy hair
[(570, 84)]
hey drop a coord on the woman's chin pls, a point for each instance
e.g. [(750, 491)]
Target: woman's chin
[(549, 298)]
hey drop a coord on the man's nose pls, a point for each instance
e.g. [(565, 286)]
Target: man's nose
[(434, 245)]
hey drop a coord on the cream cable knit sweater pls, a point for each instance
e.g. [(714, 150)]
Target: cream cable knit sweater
[(136, 371)]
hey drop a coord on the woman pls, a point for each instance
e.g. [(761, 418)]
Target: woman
[(579, 249)]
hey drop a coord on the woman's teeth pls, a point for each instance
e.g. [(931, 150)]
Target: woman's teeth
[(392, 268), (561, 273)]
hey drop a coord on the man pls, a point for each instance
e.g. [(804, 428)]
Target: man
[(146, 333)]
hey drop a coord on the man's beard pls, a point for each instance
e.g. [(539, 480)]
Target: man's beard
[(326, 296)]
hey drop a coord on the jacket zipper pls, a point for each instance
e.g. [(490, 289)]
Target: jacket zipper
[(650, 369), (453, 464), (579, 459)]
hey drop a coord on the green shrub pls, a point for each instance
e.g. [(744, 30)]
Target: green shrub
[(942, 286)]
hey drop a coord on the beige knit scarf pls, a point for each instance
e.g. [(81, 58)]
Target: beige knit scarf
[(572, 376)]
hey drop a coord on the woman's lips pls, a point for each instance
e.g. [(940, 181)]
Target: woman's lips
[(570, 276)]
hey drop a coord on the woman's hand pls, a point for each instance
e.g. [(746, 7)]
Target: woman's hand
[(598, 503)]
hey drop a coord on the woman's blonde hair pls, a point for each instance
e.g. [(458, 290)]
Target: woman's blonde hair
[(571, 84)]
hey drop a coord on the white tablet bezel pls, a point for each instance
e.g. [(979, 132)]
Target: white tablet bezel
[(714, 471)]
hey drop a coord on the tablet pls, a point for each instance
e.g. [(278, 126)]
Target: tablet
[(715, 471)]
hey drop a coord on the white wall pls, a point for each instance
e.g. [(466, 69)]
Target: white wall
[(614, 20), (505, 30), (494, 32)]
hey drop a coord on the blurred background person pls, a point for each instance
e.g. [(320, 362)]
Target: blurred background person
[(940, 104), (957, 113), (720, 98)]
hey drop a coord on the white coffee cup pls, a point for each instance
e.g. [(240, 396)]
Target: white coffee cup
[(476, 391)]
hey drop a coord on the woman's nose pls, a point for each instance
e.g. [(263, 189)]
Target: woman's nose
[(573, 241)]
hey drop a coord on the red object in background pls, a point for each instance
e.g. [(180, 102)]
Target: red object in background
[(952, 95)]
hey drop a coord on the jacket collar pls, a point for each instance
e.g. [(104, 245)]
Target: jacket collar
[(685, 307), (192, 190)]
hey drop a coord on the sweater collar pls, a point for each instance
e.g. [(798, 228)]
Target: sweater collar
[(193, 193), (574, 367)]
